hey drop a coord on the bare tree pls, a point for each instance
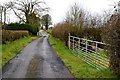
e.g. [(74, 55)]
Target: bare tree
[(4, 9), (111, 35), (1, 11), (24, 8), (75, 16)]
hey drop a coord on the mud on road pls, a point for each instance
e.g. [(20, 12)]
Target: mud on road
[(36, 60)]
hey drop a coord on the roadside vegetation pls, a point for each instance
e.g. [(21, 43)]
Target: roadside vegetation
[(17, 35), (77, 22), (77, 66), (16, 26), (12, 35), (11, 49), (106, 29)]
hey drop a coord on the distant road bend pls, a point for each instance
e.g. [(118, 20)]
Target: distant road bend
[(36, 60)]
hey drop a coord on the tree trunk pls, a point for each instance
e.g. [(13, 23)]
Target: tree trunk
[(1, 16), (4, 16), (119, 12), (27, 17)]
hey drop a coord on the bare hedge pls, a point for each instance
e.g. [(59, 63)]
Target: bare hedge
[(12, 35), (61, 31), (111, 35)]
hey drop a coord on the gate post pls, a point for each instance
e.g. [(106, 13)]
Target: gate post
[(73, 43), (69, 40)]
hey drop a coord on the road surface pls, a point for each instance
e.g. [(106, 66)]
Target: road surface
[(36, 60)]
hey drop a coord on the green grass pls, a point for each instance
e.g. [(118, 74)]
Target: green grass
[(78, 68), (11, 49), (39, 34), (50, 30), (101, 61), (46, 33)]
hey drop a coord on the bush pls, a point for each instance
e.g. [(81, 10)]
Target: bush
[(92, 33), (10, 36), (111, 36), (48, 31), (61, 31), (17, 26)]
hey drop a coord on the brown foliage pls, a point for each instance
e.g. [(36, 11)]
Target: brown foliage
[(9, 35), (111, 36), (61, 31), (48, 31), (92, 33)]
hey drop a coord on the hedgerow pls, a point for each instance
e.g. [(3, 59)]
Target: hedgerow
[(10, 35), (17, 26)]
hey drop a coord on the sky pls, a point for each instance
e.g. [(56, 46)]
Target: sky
[(59, 8)]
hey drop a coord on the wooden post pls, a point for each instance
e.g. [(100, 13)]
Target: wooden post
[(69, 40)]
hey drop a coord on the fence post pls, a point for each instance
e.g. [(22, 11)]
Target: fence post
[(96, 54), (86, 52), (73, 43), (69, 40)]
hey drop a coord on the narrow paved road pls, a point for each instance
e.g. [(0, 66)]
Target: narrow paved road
[(36, 60)]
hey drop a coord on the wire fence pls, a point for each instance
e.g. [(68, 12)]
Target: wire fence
[(92, 52)]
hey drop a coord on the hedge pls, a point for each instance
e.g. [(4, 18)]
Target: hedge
[(17, 26), (10, 36), (61, 31)]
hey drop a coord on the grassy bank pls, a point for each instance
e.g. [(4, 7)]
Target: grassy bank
[(11, 49), (77, 67)]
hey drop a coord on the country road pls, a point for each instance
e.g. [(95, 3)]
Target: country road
[(36, 60)]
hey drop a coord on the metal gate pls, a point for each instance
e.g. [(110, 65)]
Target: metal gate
[(92, 52)]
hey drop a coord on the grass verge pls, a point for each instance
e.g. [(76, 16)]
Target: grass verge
[(78, 68), (11, 49), (39, 34)]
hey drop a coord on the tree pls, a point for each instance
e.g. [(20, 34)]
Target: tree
[(75, 16), (111, 36), (46, 20), (34, 20), (4, 9), (24, 8), (1, 11)]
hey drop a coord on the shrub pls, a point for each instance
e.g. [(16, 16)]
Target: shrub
[(10, 36), (61, 31), (92, 33), (17, 26), (111, 35), (48, 31)]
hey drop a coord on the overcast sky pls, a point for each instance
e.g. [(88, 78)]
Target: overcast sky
[(60, 7)]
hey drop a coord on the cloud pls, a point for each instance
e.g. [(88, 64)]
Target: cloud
[(60, 7)]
